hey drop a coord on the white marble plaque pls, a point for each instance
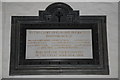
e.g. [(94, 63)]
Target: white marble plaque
[(59, 44)]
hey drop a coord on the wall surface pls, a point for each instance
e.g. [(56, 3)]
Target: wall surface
[(118, 40), (87, 8), (0, 39)]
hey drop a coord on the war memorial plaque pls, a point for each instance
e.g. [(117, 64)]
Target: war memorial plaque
[(58, 42), (55, 44)]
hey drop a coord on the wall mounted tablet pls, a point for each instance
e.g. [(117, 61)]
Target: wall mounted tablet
[(58, 42)]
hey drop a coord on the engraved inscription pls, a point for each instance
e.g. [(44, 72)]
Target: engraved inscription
[(51, 44)]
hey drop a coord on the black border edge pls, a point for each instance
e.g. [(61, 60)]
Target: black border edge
[(13, 70)]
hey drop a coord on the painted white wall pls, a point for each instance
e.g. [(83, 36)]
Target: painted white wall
[(31, 9), (0, 39), (60, 0)]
